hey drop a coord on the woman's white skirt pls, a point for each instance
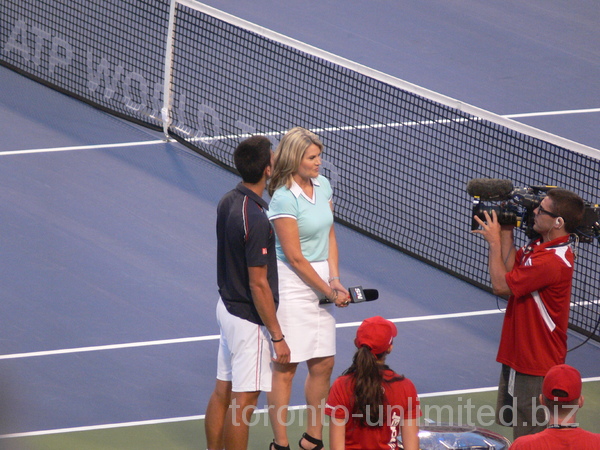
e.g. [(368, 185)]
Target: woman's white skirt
[(309, 328)]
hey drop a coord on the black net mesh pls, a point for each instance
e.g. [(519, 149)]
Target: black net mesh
[(399, 162), (108, 53)]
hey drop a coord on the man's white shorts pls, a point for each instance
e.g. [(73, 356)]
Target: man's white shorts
[(244, 353)]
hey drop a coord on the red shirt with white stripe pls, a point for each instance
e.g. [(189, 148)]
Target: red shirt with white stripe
[(534, 333)]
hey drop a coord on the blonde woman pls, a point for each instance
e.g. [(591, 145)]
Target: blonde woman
[(301, 211)]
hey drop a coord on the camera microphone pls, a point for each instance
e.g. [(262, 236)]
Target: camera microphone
[(490, 188), (357, 295)]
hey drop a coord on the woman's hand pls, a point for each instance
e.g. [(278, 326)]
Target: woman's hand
[(340, 295)]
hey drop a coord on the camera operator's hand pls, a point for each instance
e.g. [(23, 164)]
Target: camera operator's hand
[(502, 251), (490, 228)]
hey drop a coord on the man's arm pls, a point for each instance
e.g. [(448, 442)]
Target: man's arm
[(502, 251), (508, 246), (265, 305)]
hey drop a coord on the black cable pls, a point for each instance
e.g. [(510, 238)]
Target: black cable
[(589, 337)]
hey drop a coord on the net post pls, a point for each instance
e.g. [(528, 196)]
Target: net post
[(168, 68)]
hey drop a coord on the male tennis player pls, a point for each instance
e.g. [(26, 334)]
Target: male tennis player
[(246, 310), (537, 278)]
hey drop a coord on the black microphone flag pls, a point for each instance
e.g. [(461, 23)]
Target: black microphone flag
[(357, 295)]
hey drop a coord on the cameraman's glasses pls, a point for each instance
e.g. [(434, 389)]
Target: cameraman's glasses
[(543, 211)]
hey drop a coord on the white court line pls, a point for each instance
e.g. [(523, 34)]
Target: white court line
[(278, 133), (201, 417), (81, 147), (552, 113), (110, 347), (216, 336), (352, 128), (585, 303), (432, 317)]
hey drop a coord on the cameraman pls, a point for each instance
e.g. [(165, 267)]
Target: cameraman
[(537, 278)]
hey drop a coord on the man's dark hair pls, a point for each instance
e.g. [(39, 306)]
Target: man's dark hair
[(560, 408), (251, 158), (569, 206)]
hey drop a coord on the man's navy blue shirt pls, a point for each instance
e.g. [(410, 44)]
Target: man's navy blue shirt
[(245, 239)]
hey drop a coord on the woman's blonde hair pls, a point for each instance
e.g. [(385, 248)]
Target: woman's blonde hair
[(289, 154)]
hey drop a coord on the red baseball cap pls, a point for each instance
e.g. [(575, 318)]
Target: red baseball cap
[(565, 378), (376, 333)]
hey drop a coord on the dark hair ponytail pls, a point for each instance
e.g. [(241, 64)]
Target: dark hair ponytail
[(369, 395)]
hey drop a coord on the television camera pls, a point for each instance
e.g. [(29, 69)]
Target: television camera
[(515, 206)]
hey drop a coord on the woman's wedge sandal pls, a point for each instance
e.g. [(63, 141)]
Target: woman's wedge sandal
[(274, 446), (317, 442)]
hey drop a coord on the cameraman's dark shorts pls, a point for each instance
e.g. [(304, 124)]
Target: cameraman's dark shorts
[(523, 412)]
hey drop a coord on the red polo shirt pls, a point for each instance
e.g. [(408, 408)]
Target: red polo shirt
[(534, 333)]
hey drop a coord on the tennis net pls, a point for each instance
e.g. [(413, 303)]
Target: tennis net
[(399, 156)]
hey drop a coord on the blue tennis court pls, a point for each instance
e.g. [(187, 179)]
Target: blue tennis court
[(108, 281)]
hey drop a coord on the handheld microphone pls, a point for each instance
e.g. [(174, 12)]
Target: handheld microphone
[(490, 188), (357, 295)]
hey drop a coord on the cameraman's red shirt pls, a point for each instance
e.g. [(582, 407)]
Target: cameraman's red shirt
[(534, 333)]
